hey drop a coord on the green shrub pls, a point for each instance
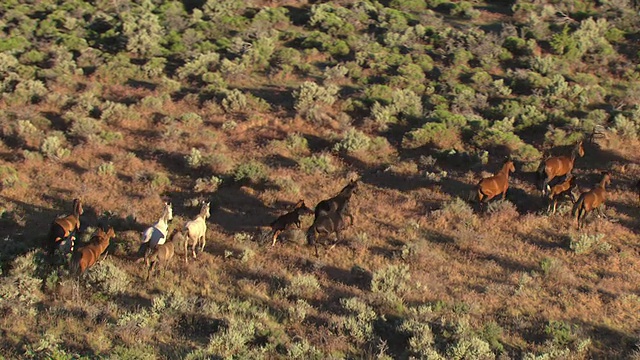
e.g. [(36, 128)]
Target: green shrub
[(107, 278), (8, 176), (394, 279), (52, 147), (353, 140), (358, 325), (434, 133), (310, 97), (302, 285), (106, 169), (194, 158), (317, 163), (234, 101), (253, 171), (584, 243)]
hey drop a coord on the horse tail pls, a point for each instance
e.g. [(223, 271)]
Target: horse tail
[(577, 207), (311, 235), (74, 265)]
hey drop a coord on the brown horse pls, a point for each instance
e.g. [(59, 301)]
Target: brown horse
[(284, 221), (162, 253), (590, 200), (557, 166), (324, 225), (489, 187), (86, 256), (568, 187), (338, 203), (65, 228)]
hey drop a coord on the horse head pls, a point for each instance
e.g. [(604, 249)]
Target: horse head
[(302, 208), (168, 209), (204, 211), (77, 207), (606, 179), (580, 148)]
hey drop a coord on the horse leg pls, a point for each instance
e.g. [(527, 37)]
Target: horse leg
[(204, 241), (275, 237), (150, 269), (193, 248), (186, 250), (338, 239)]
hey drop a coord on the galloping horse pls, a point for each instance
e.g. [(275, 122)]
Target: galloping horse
[(88, 255), (338, 203), (284, 221), (591, 200), (157, 233), (325, 225), (568, 187), (65, 228), (489, 187), (160, 254), (196, 230), (557, 166)]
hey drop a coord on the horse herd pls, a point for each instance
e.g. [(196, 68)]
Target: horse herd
[(554, 179)]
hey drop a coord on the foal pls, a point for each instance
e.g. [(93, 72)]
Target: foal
[(160, 254), (591, 200), (338, 203), (325, 225), (196, 230), (284, 221), (489, 187), (65, 228), (557, 166), (88, 255), (566, 188)]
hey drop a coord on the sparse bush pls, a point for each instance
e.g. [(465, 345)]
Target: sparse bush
[(191, 119), (210, 184), (194, 158), (317, 163), (52, 147), (8, 176), (353, 140), (299, 311), (310, 97), (302, 285), (106, 277), (584, 243), (106, 169), (391, 282), (359, 325), (253, 171), (234, 101)]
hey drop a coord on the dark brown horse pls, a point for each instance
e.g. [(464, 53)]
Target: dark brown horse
[(65, 228), (338, 203), (490, 187), (162, 253), (325, 225), (291, 218), (591, 200), (557, 166), (88, 255), (567, 187)]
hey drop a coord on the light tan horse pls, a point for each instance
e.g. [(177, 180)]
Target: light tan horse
[(162, 254), (88, 255), (157, 233), (195, 231), (489, 187), (591, 200), (65, 228)]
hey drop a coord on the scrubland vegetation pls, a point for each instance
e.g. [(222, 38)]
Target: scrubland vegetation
[(255, 105)]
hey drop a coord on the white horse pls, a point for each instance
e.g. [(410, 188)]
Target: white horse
[(157, 234), (195, 231)]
